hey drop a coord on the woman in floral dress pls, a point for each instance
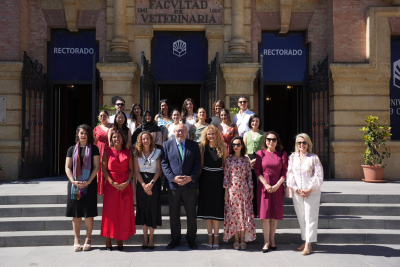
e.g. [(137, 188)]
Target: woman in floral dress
[(238, 184), (227, 128), (100, 134)]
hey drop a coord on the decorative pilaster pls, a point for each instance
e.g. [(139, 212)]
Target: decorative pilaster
[(10, 143), (143, 34), (119, 45), (118, 80), (237, 46), (239, 79)]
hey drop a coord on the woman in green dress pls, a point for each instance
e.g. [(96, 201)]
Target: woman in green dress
[(253, 140), (197, 128)]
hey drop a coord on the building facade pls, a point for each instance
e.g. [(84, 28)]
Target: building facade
[(315, 66)]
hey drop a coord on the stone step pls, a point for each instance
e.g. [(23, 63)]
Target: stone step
[(326, 197), (162, 237), (289, 222), (348, 209)]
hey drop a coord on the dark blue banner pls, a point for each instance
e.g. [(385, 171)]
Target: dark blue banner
[(179, 57), (395, 89), (285, 58), (71, 55)]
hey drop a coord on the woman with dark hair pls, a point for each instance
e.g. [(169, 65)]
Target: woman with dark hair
[(118, 218), (81, 166), (148, 125), (239, 217), (121, 123), (162, 119), (187, 113), (100, 134), (227, 128), (147, 164), (271, 168), (197, 128), (135, 118), (216, 108), (253, 141)]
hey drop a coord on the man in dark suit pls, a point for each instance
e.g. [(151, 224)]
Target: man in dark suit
[(181, 165)]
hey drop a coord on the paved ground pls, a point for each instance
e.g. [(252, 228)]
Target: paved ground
[(324, 255), (53, 186)]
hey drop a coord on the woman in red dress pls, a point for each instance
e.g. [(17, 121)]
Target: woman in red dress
[(118, 220), (227, 128), (100, 134), (271, 168)]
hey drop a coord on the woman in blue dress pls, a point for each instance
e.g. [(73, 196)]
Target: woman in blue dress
[(163, 119)]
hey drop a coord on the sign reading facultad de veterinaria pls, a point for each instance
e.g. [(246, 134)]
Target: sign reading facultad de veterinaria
[(179, 12)]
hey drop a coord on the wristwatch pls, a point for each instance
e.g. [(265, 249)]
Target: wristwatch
[(152, 182), (128, 181)]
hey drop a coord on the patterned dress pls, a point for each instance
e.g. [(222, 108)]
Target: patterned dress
[(228, 136), (239, 211), (161, 123), (102, 144)]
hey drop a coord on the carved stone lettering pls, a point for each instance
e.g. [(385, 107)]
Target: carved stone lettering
[(179, 12)]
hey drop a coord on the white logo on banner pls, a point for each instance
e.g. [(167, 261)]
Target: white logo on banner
[(179, 48), (396, 73)]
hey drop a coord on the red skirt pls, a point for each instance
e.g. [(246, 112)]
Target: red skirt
[(118, 219)]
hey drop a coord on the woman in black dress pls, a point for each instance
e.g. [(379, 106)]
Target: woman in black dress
[(211, 192), (81, 166), (147, 165)]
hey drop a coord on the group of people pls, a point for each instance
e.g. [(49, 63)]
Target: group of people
[(220, 170)]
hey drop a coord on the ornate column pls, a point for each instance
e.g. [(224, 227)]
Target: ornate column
[(237, 46), (215, 37), (119, 45)]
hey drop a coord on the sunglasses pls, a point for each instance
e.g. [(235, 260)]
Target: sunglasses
[(236, 145), (120, 104), (242, 102), (301, 143), (271, 140)]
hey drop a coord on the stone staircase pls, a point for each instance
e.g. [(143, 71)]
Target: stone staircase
[(38, 220)]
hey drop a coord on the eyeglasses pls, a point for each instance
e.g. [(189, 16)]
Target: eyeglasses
[(242, 102), (301, 143), (180, 131), (273, 140), (120, 104), (236, 145)]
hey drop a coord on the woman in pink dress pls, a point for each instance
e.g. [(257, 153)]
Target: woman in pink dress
[(118, 220), (270, 168), (100, 134), (238, 184), (227, 128)]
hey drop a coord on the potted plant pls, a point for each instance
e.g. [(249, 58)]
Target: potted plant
[(375, 137)]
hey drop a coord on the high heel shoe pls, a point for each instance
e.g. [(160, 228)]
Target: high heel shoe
[(209, 245), (301, 248), (77, 247), (216, 246), (86, 246), (306, 251)]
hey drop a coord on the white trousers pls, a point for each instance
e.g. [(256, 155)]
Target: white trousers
[(307, 211)]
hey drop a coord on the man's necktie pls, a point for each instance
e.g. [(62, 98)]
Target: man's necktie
[(181, 150)]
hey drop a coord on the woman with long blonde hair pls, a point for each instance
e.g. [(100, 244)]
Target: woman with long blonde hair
[(211, 192)]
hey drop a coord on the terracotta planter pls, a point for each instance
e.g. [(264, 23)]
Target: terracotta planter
[(373, 174)]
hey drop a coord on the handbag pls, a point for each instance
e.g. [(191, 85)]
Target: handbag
[(288, 191)]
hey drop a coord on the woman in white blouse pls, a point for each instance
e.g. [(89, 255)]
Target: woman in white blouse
[(147, 165), (169, 133), (305, 177)]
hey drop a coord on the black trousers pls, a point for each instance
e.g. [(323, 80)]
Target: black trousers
[(189, 199)]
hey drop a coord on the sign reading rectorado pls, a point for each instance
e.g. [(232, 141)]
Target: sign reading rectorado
[(178, 12)]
